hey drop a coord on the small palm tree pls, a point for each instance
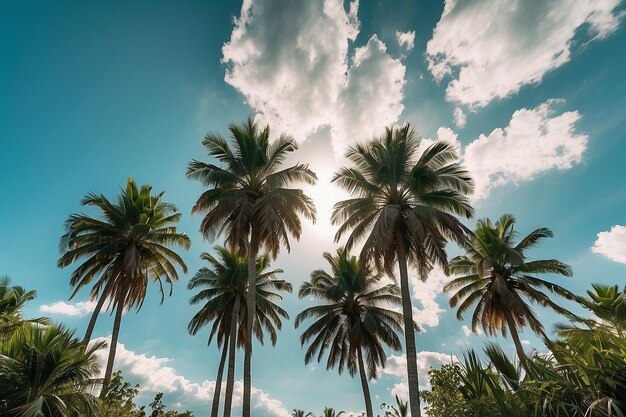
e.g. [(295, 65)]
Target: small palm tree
[(352, 319), (499, 280), (404, 204), (128, 247), (12, 300), (248, 199), (330, 412), (223, 291), (301, 413), (46, 372)]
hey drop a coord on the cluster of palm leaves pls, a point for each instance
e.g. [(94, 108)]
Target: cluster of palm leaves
[(44, 369)]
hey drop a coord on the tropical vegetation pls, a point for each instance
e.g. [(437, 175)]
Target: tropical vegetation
[(407, 201)]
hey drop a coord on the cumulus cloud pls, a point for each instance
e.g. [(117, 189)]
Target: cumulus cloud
[(299, 76), (487, 49), (406, 39), (425, 293), (79, 309), (396, 366), (156, 374), (612, 244)]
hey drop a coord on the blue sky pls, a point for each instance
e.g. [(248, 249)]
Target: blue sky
[(90, 93)]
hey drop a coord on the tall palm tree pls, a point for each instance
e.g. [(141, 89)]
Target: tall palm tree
[(46, 372), (126, 248), (352, 319), (248, 200), (403, 205), (223, 291), (496, 276)]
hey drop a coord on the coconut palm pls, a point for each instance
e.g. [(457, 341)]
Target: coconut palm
[(403, 206), (330, 412), (126, 248), (46, 372), (301, 413), (352, 320), (223, 292), (12, 300), (497, 277), (248, 200)]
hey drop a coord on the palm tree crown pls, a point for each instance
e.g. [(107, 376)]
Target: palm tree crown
[(126, 249), (46, 372), (226, 281), (497, 277)]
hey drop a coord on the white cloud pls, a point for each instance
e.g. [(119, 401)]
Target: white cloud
[(79, 309), (406, 39), (534, 142), (297, 77), (467, 331), (612, 244), (396, 366), (459, 118), (425, 293), (525, 342), (488, 50), (156, 375)]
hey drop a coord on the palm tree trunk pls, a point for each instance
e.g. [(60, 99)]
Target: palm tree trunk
[(366, 389), (409, 335), (518, 345), (218, 382), (113, 347), (251, 307), (96, 313), (230, 378)]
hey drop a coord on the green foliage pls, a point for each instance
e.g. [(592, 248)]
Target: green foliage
[(46, 372), (119, 400), (401, 409)]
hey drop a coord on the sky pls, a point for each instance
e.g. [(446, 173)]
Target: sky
[(532, 92)]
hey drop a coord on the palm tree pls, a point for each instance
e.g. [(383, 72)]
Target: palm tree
[(301, 413), (12, 300), (404, 201), (401, 409), (330, 412), (351, 320), (224, 288), (125, 249), (46, 372), (248, 201), (499, 280)]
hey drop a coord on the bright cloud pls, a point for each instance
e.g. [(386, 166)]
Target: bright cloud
[(396, 366), (534, 142), (79, 309), (156, 375), (612, 244), (298, 76), (406, 39), (425, 293), (487, 49)]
